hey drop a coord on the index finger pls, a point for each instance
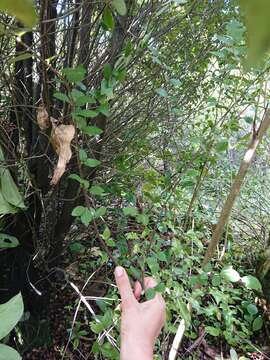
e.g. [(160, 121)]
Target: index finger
[(124, 287)]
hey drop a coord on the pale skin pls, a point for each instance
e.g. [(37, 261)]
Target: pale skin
[(141, 323)]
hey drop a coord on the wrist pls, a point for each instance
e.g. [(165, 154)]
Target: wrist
[(134, 349)]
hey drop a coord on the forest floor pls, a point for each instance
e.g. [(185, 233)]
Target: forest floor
[(60, 314)]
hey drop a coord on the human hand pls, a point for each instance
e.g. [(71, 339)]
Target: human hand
[(141, 323)]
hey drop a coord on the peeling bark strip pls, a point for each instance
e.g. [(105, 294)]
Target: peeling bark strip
[(236, 186)]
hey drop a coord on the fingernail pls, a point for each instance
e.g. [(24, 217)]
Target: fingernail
[(119, 271)]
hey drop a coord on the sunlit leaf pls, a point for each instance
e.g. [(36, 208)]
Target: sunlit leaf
[(251, 282), (120, 6), (10, 314), (8, 353), (230, 274)]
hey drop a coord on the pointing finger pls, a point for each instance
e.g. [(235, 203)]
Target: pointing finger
[(124, 287)]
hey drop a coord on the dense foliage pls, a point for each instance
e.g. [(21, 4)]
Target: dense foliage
[(134, 133)]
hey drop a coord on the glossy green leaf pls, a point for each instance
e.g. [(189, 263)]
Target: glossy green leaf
[(8, 353), (233, 354), (252, 309), (251, 282), (9, 189), (257, 324), (78, 211), (87, 216), (8, 241), (230, 274), (120, 6), (100, 212), (5, 207), (22, 10), (10, 314)]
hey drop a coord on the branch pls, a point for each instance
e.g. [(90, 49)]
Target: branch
[(236, 186)]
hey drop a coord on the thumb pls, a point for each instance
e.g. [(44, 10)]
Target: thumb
[(124, 287)]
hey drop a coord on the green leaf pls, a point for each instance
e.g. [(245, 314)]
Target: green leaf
[(130, 211), (216, 280), (251, 282), (104, 109), (100, 212), (107, 71), (61, 96), (257, 323), (87, 113), (87, 216), (84, 183), (120, 6), (222, 145), (96, 190), (80, 98), (184, 313), (97, 327), (78, 211), (83, 155), (106, 234), (230, 274), (20, 57), (8, 353), (108, 18), (106, 89), (252, 309), (161, 92), (212, 330), (9, 189), (77, 247), (92, 162), (143, 219), (8, 241), (92, 130), (10, 314), (233, 354), (23, 10), (175, 82), (75, 75), (150, 293), (5, 207)]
